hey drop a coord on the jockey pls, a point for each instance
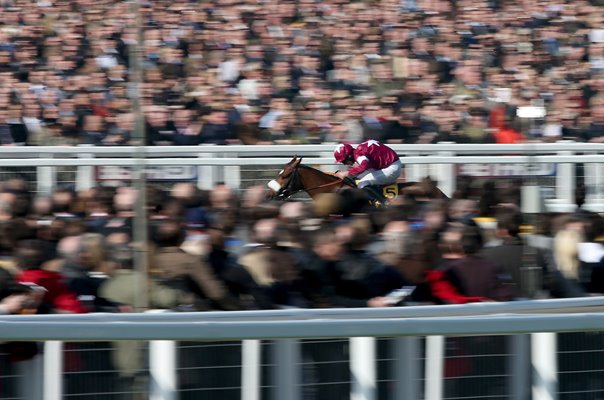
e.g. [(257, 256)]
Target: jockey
[(371, 162)]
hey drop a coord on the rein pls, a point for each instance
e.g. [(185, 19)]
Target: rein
[(339, 181)]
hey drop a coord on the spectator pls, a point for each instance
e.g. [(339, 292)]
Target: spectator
[(248, 129), (255, 254), (122, 130), (591, 252), (507, 134), (475, 129), (159, 129), (595, 130), (419, 259), (478, 276), (215, 129), (517, 259), (123, 288), (6, 138), (357, 279), (188, 273), (186, 132), (31, 256), (84, 268), (93, 130), (563, 278), (237, 279), (18, 130)]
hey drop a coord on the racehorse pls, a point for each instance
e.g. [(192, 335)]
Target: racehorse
[(296, 177)]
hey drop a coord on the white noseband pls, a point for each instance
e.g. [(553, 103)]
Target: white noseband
[(274, 186)]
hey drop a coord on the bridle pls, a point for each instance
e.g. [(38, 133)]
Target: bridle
[(286, 190), (295, 181)]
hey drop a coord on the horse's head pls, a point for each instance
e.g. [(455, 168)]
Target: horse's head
[(286, 183)]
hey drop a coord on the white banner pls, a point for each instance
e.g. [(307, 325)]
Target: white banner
[(506, 170), (153, 173)]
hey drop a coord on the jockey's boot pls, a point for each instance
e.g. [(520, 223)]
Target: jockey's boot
[(376, 197)]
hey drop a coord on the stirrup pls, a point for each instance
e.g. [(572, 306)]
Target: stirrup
[(376, 203)]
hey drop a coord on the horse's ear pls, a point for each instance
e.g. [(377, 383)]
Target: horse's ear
[(299, 160)]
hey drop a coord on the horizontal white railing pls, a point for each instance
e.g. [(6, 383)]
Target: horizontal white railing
[(541, 319), (226, 161), (307, 329), (305, 149), (546, 306)]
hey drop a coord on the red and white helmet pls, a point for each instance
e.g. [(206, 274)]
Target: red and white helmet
[(343, 152)]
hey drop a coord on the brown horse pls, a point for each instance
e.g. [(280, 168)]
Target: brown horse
[(296, 177)]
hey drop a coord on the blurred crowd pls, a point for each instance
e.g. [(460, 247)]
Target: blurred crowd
[(222, 250), (224, 71)]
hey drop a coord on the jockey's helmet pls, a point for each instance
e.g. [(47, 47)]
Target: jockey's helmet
[(343, 152)]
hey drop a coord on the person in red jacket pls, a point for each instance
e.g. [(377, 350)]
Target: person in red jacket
[(31, 255), (371, 163), (507, 134)]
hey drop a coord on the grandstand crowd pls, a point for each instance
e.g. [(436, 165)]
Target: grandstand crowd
[(222, 72)]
